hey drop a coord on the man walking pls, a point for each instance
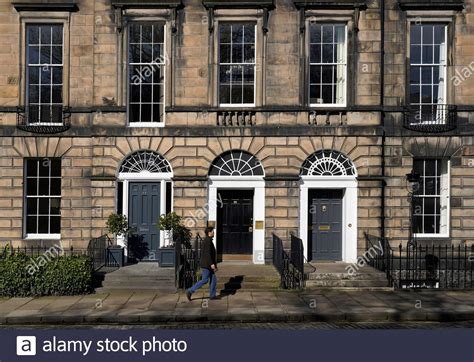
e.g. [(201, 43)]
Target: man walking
[(208, 265)]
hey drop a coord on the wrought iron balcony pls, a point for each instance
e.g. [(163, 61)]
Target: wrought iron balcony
[(430, 118), (45, 119)]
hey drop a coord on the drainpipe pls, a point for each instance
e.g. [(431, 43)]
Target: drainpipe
[(382, 115)]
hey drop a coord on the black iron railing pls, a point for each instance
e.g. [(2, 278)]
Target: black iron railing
[(47, 251), (430, 118), (442, 266), (297, 259), (290, 265), (97, 250), (379, 254), (187, 262), (44, 119), (418, 266)]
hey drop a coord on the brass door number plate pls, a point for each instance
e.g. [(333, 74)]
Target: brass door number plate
[(259, 225), (324, 227)]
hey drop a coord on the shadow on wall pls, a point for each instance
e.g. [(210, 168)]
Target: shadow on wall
[(137, 248)]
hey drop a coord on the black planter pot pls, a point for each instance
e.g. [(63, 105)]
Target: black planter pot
[(167, 257), (115, 256)]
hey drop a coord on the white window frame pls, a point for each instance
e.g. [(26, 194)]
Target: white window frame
[(444, 66), (312, 22), (444, 198), (236, 105), (164, 65), (42, 65), (38, 236)]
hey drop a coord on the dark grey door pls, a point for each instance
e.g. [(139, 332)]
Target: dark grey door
[(325, 224), (143, 212), (234, 222)]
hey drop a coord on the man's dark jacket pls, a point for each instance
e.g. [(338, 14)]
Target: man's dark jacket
[(208, 253)]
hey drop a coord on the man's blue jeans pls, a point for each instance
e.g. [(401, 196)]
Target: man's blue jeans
[(205, 276)]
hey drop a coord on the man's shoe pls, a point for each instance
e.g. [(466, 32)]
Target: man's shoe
[(188, 295), (215, 298)]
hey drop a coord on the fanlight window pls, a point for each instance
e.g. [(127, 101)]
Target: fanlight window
[(328, 163), (236, 163), (143, 161)]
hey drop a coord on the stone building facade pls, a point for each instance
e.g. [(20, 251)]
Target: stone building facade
[(253, 160)]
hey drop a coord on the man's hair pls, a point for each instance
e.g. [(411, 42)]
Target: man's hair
[(208, 230)]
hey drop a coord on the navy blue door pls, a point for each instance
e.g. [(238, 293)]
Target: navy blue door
[(143, 213), (234, 222), (325, 224)]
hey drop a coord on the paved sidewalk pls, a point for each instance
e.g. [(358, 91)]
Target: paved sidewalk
[(122, 307)]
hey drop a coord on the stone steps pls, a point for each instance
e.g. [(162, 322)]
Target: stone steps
[(335, 276), (141, 276)]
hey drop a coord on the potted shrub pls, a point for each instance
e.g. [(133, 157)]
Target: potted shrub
[(117, 224), (173, 227)]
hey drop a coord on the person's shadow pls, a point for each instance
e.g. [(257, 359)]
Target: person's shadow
[(231, 287)]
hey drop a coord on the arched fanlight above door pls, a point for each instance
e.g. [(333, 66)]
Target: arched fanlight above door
[(145, 161), (236, 163), (328, 163)]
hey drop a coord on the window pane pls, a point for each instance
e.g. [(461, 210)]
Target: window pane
[(45, 34), (57, 55), (44, 165), (55, 206), (415, 54), (55, 227), (415, 34), (328, 34), (225, 33), (236, 93), (315, 53), (45, 55), (55, 186), (249, 53), (225, 50), (248, 94), (328, 54), (43, 206), (146, 45), (315, 33), (43, 225), (327, 94), (237, 53), (169, 196), (429, 225), (33, 34), (33, 55), (146, 113), (329, 81), (426, 75), (315, 74), (57, 34), (427, 34), (237, 46), (32, 167), (158, 33), (249, 33), (31, 224), (327, 74), (315, 94), (439, 34), (224, 92), (237, 34), (31, 205), (427, 54)]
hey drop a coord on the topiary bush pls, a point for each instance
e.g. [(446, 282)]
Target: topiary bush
[(25, 276)]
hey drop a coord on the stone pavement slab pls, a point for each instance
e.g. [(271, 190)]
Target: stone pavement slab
[(125, 307)]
